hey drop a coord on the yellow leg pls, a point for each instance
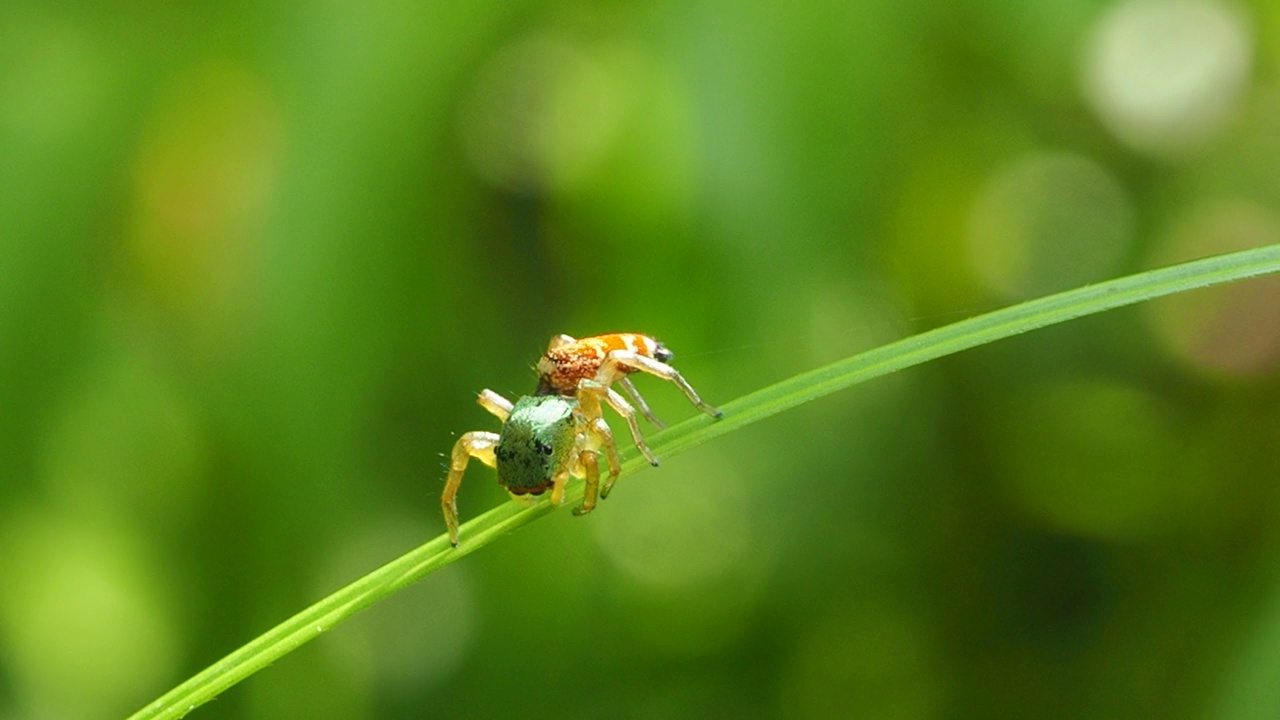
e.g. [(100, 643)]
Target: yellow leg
[(641, 405), (557, 487), (495, 403), (628, 413), (609, 372), (591, 421), (477, 445), (590, 393), (591, 468), (602, 431)]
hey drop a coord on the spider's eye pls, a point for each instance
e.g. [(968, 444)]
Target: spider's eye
[(662, 354), (543, 448)]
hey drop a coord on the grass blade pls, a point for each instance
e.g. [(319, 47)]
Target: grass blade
[(435, 554)]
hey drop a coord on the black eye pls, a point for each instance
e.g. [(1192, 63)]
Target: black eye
[(662, 354), (543, 448)]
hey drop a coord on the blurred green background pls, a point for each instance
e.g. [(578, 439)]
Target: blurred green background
[(256, 259)]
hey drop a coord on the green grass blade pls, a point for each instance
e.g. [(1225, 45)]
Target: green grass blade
[(327, 613)]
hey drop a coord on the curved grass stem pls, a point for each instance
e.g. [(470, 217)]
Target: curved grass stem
[(435, 554)]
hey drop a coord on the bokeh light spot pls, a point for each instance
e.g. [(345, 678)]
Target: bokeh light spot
[(54, 82), (1166, 75), (1098, 458), (204, 179), (691, 621), (1233, 330), (540, 115), (692, 565), (416, 638), (1049, 222), (80, 628), (875, 661), (126, 439), (679, 528)]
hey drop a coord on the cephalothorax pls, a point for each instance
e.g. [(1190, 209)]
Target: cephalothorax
[(560, 432)]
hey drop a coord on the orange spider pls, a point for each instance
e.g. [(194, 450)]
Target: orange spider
[(590, 366)]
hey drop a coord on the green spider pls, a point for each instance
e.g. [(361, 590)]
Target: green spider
[(545, 440)]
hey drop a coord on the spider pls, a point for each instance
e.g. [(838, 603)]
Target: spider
[(550, 436), (545, 439), (590, 366)]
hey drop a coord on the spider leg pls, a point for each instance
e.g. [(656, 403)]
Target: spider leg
[(628, 413), (611, 371), (495, 403), (557, 487), (602, 431), (477, 445), (596, 432), (590, 393), (643, 406), (591, 474)]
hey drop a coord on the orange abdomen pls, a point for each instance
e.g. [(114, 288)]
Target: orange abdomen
[(560, 370)]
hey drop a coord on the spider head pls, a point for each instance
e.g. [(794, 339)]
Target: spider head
[(535, 443), (662, 354)]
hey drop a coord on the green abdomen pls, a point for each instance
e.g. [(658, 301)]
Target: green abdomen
[(534, 444)]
